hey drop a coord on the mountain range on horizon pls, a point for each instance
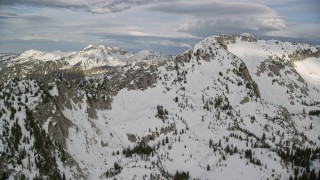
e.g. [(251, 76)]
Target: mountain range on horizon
[(87, 58), (231, 107)]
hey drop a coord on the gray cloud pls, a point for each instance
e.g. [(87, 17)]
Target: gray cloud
[(171, 46), (43, 3), (19, 46), (309, 31), (203, 28), (7, 15), (214, 9), (94, 6), (165, 25), (217, 17)]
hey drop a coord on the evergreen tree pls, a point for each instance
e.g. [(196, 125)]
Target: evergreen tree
[(181, 176), (263, 137)]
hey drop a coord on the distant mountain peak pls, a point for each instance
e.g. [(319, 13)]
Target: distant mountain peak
[(32, 53), (247, 35), (36, 55), (150, 54), (89, 46), (101, 46)]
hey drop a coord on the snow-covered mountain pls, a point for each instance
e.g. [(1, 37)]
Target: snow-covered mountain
[(35, 55), (4, 57), (149, 54), (232, 107), (88, 58), (96, 56)]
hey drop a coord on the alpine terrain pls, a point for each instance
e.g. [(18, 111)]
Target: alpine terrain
[(232, 107)]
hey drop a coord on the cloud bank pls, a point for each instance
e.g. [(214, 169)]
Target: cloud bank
[(172, 26)]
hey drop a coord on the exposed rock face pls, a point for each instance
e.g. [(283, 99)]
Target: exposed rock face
[(58, 124), (300, 55), (132, 138)]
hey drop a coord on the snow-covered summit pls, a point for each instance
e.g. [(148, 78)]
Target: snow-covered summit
[(150, 54), (104, 49), (36, 55), (95, 56), (247, 35), (32, 53)]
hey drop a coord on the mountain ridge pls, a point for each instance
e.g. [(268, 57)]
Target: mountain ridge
[(89, 57)]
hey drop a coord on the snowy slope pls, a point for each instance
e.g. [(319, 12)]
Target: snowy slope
[(4, 57), (27, 150), (309, 70), (41, 56), (270, 63), (149, 54), (192, 121), (95, 56)]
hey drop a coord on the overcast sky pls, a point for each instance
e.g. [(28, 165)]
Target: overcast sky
[(170, 26)]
